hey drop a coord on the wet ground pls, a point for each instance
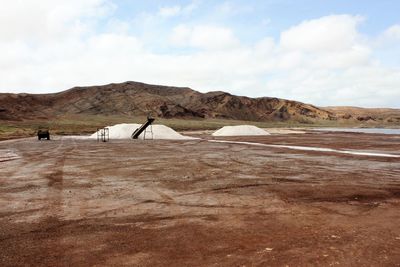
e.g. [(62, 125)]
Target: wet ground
[(195, 203)]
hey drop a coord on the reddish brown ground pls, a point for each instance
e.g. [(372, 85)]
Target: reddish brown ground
[(196, 203)]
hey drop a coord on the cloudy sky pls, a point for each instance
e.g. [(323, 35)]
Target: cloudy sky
[(325, 52)]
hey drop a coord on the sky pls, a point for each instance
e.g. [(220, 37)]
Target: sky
[(324, 52)]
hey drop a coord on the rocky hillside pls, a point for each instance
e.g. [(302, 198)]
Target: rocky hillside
[(134, 99), (139, 99), (367, 115)]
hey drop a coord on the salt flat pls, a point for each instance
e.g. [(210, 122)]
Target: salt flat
[(193, 202)]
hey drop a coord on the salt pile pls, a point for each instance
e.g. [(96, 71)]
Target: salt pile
[(125, 130), (240, 130)]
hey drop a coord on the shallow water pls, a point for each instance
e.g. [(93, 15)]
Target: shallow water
[(361, 130)]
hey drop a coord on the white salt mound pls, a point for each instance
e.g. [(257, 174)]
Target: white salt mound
[(240, 130), (125, 130)]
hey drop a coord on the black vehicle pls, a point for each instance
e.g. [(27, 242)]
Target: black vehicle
[(42, 133), (142, 128)]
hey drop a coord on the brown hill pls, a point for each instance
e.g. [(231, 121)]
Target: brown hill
[(367, 115), (138, 99), (134, 99)]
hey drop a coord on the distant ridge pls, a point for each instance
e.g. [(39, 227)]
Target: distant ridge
[(138, 99)]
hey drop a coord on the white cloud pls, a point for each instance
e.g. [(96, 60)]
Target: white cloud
[(389, 40), (392, 32), (204, 37), (172, 11), (228, 8), (48, 19), (326, 61), (327, 34), (331, 42)]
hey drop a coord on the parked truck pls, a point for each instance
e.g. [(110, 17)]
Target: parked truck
[(43, 133)]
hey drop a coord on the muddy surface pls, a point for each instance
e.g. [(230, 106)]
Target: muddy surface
[(195, 203), (338, 140)]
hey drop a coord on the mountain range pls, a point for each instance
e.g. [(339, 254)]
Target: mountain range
[(139, 99)]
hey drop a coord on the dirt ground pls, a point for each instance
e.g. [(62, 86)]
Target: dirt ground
[(72, 202)]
